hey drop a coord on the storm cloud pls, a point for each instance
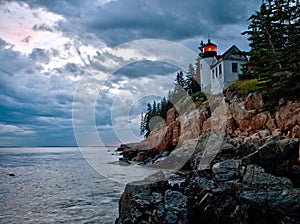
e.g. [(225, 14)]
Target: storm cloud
[(47, 46)]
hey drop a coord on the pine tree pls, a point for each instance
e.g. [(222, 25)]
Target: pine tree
[(180, 88), (144, 127), (143, 124), (180, 80), (191, 70), (274, 35), (192, 85), (164, 108)]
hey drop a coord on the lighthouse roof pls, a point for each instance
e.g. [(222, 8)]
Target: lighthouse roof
[(209, 43)]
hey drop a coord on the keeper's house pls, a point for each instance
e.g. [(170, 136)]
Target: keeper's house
[(218, 71)]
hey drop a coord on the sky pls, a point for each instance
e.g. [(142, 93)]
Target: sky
[(76, 72)]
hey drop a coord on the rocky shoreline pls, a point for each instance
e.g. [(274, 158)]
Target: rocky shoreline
[(231, 163), (253, 182)]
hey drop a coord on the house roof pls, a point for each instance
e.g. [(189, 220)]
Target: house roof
[(233, 50)]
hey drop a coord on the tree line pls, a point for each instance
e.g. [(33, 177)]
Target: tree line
[(184, 85), (274, 36)]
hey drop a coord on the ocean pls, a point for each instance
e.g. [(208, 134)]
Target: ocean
[(57, 185)]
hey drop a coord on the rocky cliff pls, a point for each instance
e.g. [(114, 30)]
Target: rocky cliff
[(232, 162), (242, 118)]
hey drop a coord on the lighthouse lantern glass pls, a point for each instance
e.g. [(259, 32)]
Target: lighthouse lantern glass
[(210, 48)]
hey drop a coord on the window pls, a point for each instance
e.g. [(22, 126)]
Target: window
[(220, 69), (217, 72), (234, 67), (201, 66), (212, 74)]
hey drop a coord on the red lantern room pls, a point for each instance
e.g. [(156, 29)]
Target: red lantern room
[(209, 49)]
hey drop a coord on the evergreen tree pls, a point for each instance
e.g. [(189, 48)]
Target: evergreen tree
[(274, 35), (164, 108), (144, 127), (191, 70), (180, 88), (154, 109), (192, 85), (180, 80)]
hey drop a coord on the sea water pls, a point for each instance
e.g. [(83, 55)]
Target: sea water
[(56, 185)]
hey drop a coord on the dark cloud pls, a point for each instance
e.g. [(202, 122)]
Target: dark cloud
[(146, 68), (133, 79), (74, 69), (40, 102), (121, 21), (27, 39), (124, 20), (33, 106), (10, 61), (64, 7), (40, 55), (42, 27)]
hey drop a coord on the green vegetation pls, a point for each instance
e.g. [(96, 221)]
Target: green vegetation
[(199, 98), (155, 109), (185, 96), (245, 86), (274, 35)]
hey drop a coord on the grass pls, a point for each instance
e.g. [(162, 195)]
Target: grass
[(244, 87)]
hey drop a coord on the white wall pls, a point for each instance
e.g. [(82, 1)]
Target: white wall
[(205, 74), (218, 81), (230, 76)]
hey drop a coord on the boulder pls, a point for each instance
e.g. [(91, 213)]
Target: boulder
[(288, 116), (142, 156), (277, 132), (272, 206), (276, 156), (176, 208), (296, 131), (142, 202), (256, 177), (122, 147), (151, 202), (227, 170), (254, 101)]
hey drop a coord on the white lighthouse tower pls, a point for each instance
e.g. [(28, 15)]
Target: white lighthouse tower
[(218, 71)]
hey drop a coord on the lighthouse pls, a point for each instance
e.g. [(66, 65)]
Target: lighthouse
[(219, 71), (209, 49)]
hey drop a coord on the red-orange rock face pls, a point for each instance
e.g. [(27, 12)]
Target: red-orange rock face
[(288, 116), (296, 132), (238, 117)]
